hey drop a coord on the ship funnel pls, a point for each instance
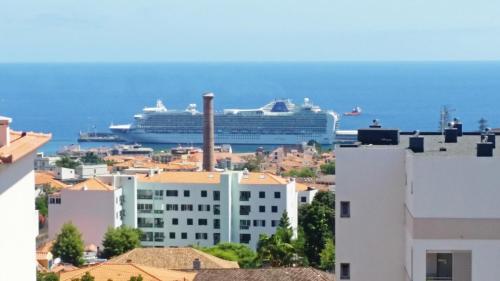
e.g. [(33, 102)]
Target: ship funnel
[(208, 132)]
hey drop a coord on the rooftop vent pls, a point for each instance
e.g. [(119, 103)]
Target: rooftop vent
[(484, 149), (196, 264), (378, 136), (491, 138), (375, 124), (450, 135), (417, 143), (458, 125)]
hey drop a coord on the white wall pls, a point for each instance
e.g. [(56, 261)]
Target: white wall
[(19, 220), (372, 179)]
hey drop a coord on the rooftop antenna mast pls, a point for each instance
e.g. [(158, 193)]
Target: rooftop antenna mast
[(445, 118)]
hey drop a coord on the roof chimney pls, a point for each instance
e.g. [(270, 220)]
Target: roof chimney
[(450, 135), (196, 264), (484, 149), (4, 130), (208, 132), (458, 125), (417, 143)]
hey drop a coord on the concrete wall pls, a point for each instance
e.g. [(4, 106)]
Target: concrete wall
[(372, 179), (19, 220)]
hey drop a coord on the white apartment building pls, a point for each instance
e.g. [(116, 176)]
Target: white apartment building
[(92, 206), (19, 218), (180, 208), (87, 171), (421, 208)]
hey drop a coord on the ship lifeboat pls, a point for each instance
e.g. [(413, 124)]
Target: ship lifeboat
[(354, 112)]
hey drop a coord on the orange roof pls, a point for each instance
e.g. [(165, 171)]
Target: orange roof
[(21, 144), (262, 178), (123, 272), (92, 184), (63, 267), (184, 177), (46, 178), (300, 187), (46, 247)]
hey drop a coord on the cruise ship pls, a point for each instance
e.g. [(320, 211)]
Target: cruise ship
[(278, 122)]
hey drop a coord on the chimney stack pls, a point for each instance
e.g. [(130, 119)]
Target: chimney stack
[(208, 132), (4, 130)]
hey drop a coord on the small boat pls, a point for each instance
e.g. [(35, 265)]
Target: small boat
[(354, 112)]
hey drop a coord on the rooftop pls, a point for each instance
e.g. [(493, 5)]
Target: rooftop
[(123, 272), (47, 178), (93, 184), (262, 178), (172, 258), (184, 177), (264, 274), (21, 144)]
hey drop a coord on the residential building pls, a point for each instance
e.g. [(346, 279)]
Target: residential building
[(305, 193), (45, 163), (174, 259), (418, 207), (91, 170), (17, 202), (92, 206)]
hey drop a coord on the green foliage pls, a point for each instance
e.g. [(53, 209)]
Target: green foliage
[(327, 256), (69, 245), (67, 162), (138, 278), (328, 168), (304, 172), (49, 276), (87, 277), (91, 158), (120, 240), (253, 164), (240, 253), (41, 204), (317, 221)]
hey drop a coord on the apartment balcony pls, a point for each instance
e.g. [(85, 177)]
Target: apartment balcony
[(448, 266)]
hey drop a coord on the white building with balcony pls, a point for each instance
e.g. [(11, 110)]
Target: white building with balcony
[(17, 202), (419, 208)]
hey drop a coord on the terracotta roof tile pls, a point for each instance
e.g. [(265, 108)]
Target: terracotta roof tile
[(264, 274), (262, 178), (172, 258), (92, 184), (47, 178), (184, 177), (21, 144)]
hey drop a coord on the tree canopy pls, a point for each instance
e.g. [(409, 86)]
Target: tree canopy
[(327, 256), (234, 252), (49, 276), (304, 172), (66, 162), (69, 245), (328, 168), (120, 240), (91, 158)]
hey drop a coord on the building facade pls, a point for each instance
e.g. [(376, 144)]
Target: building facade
[(17, 202), (421, 208)]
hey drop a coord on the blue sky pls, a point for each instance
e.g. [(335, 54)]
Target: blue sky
[(248, 30)]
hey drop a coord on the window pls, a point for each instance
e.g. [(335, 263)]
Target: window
[(244, 224), (216, 223), (171, 235), (144, 194), (274, 223), (144, 208), (216, 195), (55, 200), (184, 235), (261, 223), (201, 236), (175, 221), (186, 193), (202, 222), (277, 195), (216, 209), (262, 209), (172, 193), (262, 194), (216, 238), (147, 236), (172, 207), (274, 209), (144, 222), (244, 210), (186, 207), (159, 194), (345, 209), (159, 236), (303, 199), (204, 208), (159, 222), (189, 222), (203, 193), (245, 238), (345, 271), (244, 195)]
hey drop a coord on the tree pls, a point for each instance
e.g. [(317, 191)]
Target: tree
[(328, 168), (66, 162), (87, 277), (138, 278), (327, 256), (41, 204), (284, 229), (253, 164), (120, 240), (91, 158), (304, 172), (317, 221), (69, 245), (240, 253), (50, 276)]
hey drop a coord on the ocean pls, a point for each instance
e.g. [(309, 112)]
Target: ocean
[(65, 99)]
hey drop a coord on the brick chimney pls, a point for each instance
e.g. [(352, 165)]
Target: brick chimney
[(208, 132), (4, 131)]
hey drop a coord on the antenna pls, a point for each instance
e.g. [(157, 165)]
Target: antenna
[(445, 117)]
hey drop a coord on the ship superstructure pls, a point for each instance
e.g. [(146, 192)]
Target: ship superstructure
[(278, 122)]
